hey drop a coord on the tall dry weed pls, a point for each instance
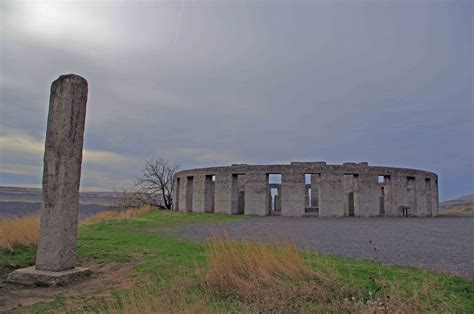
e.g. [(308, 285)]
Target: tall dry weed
[(111, 215), (255, 277), (18, 232), (269, 278)]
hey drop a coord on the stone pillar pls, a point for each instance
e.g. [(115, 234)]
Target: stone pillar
[(182, 194), (176, 188), (56, 254), (331, 202), (411, 196), (199, 186), (434, 197), (422, 197), (223, 194), (256, 194), (368, 196), (293, 191), (189, 193)]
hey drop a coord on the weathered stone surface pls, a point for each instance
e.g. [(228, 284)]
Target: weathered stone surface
[(35, 277), (62, 174), (332, 195), (199, 195), (257, 194), (224, 187), (336, 190), (293, 191)]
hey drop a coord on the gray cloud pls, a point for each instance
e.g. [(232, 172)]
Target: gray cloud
[(207, 83)]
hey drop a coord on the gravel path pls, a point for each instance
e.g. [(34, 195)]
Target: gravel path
[(442, 244)]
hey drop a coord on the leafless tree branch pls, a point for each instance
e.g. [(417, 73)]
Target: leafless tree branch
[(156, 182)]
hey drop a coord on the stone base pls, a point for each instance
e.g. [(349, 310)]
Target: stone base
[(35, 277)]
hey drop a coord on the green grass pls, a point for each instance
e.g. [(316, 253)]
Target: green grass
[(22, 257), (457, 292), (162, 259)]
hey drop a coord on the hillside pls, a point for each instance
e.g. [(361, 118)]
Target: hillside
[(460, 205)]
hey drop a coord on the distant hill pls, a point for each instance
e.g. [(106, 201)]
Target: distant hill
[(460, 205), (466, 197), (16, 201)]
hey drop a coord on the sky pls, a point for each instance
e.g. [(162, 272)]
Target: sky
[(209, 83)]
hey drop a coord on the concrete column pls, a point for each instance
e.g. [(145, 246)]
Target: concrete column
[(199, 186), (293, 190), (411, 185), (56, 254), (189, 193), (434, 199), (257, 194), (368, 195), (422, 197), (176, 188), (429, 197), (62, 174), (223, 194), (182, 194), (331, 202)]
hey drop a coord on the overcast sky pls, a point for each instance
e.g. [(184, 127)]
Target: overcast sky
[(216, 83)]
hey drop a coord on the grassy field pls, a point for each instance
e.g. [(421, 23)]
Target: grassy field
[(172, 275)]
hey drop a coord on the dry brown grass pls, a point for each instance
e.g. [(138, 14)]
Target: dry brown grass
[(24, 231), (261, 278), (269, 278), (111, 215), (18, 231)]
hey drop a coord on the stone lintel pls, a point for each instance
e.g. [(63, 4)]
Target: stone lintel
[(35, 277)]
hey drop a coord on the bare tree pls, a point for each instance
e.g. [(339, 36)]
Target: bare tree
[(156, 183)]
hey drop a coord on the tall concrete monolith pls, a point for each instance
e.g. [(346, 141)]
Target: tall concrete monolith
[(56, 255)]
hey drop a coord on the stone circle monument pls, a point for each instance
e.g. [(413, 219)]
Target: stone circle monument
[(56, 255), (307, 189)]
